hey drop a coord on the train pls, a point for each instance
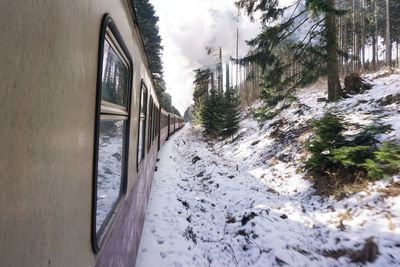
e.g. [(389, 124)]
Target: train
[(80, 132)]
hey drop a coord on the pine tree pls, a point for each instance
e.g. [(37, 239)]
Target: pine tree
[(231, 113), (213, 113), (201, 84), (387, 36), (334, 87), (275, 49), (148, 25)]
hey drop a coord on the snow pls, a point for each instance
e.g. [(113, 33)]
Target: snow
[(247, 202), (109, 168)]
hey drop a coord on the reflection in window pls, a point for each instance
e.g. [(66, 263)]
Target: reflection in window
[(115, 74), (142, 124), (112, 133), (110, 167), (151, 121), (155, 122)]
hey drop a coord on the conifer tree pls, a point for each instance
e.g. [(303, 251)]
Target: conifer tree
[(277, 48), (201, 84), (148, 25), (231, 113), (213, 113)]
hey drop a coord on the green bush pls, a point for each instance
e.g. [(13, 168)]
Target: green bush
[(387, 160), (263, 113), (337, 159), (351, 155), (328, 136), (272, 97)]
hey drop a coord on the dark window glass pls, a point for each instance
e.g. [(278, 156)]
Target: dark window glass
[(151, 122), (114, 78), (142, 124), (112, 133), (155, 121)]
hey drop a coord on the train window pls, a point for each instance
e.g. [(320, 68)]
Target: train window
[(112, 130), (158, 121), (142, 124), (151, 121), (155, 122), (115, 73)]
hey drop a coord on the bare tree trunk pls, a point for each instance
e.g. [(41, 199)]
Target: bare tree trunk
[(345, 46), (228, 87), (387, 39), (358, 48), (340, 20), (344, 40), (363, 34), (334, 87), (354, 36), (376, 36), (373, 52)]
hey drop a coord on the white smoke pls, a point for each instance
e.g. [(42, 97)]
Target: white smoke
[(188, 28)]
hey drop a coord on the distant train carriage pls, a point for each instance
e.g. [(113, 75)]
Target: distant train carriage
[(164, 127), (81, 128)]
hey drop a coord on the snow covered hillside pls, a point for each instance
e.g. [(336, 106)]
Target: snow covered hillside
[(247, 202)]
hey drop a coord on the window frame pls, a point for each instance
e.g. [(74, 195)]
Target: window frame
[(104, 109), (151, 122), (155, 122), (143, 89)]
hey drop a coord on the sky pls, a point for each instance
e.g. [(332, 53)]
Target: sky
[(187, 28)]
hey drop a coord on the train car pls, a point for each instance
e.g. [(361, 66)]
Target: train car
[(181, 123), (164, 127), (81, 127), (171, 124)]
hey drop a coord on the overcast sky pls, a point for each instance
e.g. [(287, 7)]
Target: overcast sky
[(187, 27)]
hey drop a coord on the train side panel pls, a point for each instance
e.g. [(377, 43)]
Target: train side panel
[(47, 101), (48, 98), (163, 127), (49, 72)]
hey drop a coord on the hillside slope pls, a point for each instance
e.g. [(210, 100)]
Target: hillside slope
[(247, 202)]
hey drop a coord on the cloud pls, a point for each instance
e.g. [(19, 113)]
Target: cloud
[(187, 28)]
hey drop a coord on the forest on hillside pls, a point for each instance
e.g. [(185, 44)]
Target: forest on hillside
[(148, 24), (302, 42), (297, 163)]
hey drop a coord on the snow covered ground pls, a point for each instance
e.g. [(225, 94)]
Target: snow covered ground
[(246, 203)]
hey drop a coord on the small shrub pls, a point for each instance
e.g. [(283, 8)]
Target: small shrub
[(328, 136), (291, 98), (337, 160), (272, 97), (259, 113), (351, 155), (270, 115), (263, 113), (387, 160)]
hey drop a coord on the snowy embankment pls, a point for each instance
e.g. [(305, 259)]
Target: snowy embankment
[(246, 203)]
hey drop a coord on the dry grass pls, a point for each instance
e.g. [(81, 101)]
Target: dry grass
[(391, 190), (339, 184), (336, 254), (343, 216), (368, 253)]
